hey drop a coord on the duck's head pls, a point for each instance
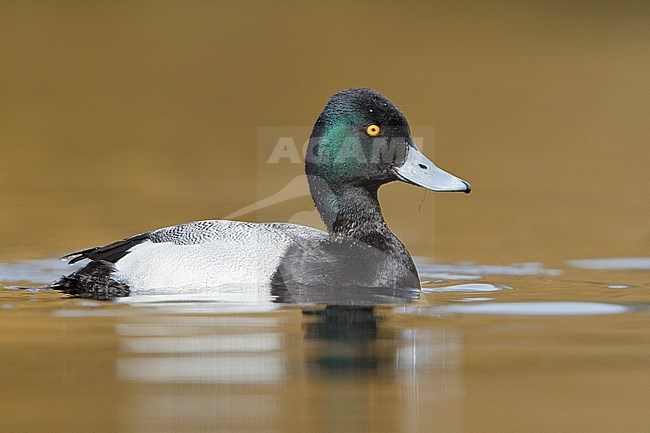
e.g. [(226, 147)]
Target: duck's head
[(362, 139)]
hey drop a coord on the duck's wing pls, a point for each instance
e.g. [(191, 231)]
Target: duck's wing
[(183, 234), (110, 253), (192, 233)]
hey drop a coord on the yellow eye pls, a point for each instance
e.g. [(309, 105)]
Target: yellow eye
[(373, 130)]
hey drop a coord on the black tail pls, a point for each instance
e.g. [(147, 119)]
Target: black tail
[(93, 281)]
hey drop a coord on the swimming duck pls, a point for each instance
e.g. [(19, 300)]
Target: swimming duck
[(360, 141)]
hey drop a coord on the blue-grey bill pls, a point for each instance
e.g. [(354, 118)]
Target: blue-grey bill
[(419, 170)]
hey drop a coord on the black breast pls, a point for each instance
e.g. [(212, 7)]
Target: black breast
[(346, 271)]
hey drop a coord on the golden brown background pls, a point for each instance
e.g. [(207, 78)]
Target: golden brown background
[(119, 117)]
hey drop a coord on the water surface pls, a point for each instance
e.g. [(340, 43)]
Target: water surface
[(539, 350)]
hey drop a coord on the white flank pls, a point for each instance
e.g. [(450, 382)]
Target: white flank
[(245, 255)]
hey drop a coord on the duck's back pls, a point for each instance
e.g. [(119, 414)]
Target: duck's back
[(199, 255)]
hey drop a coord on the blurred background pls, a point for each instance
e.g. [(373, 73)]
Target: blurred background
[(120, 117)]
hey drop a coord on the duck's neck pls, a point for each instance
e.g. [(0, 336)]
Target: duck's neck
[(351, 212)]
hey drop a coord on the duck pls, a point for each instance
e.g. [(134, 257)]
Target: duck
[(360, 141)]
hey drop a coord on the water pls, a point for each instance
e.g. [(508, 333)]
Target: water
[(117, 118), (546, 351)]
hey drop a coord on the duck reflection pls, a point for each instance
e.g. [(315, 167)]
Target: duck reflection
[(334, 368), (348, 335)]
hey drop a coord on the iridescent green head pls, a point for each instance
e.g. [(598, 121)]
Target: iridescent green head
[(361, 139)]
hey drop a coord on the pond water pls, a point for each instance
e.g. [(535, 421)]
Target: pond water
[(121, 117), (520, 348)]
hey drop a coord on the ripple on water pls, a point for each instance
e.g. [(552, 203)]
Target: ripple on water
[(467, 288), (613, 264), (526, 309), (475, 299), (472, 272), (42, 271)]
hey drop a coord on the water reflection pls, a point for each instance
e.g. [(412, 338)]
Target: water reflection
[(183, 350), (348, 336), (330, 371)]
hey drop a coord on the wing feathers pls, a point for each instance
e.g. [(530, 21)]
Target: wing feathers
[(110, 253)]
